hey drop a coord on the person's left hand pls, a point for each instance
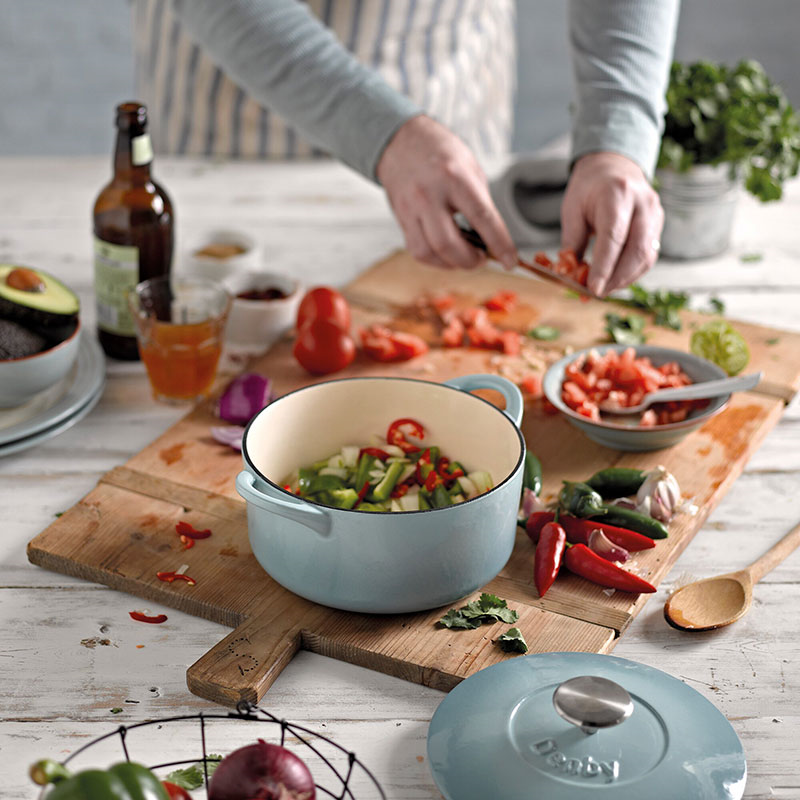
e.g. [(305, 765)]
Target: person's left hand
[(608, 196)]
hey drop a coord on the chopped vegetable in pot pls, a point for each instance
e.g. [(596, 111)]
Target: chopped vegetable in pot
[(396, 473)]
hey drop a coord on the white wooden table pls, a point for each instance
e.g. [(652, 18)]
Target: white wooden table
[(65, 645)]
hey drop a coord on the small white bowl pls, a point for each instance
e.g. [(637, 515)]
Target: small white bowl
[(200, 260), (255, 325), (23, 378)]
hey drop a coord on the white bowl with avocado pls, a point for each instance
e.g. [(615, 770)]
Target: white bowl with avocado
[(39, 332)]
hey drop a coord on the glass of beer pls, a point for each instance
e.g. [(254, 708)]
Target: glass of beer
[(180, 326)]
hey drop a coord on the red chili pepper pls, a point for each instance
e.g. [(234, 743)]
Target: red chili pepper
[(376, 452), (548, 556), (362, 493), (396, 436), (186, 529), (443, 468), (187, 542), (399, 490), (169, 577), (579, 530), (586, 563), (139, 616), (433, 480)]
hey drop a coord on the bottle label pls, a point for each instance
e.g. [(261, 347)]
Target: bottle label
[(116, 272), (141, 150)]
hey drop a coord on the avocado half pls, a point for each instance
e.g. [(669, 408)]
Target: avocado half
[(50, 308)]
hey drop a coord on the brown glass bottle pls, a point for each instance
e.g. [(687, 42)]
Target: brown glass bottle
[(133, 232)]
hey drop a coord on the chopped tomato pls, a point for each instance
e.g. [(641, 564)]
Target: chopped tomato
[(384, 344), (511, 342), (531, 384), (502, 301), (453, 334), (542, 260)]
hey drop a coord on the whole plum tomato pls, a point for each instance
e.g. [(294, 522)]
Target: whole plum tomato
[(322, 302), (176, 792), (322, 346)]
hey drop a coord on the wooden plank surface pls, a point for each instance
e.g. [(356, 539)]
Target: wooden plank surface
[(122, 533)]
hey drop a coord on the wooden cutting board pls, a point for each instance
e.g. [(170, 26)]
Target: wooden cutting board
[(123, 532)]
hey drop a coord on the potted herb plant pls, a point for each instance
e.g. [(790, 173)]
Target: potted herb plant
[(724, 128)]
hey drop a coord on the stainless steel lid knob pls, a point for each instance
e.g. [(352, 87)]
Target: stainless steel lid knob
[(592, 703)]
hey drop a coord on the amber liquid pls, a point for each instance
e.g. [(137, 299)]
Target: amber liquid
[(181, 360), (133, 210)]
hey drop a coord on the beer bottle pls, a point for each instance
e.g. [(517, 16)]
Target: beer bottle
[(133, 232)]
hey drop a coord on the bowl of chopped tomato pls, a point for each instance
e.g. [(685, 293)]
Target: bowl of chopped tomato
[(587, 386)]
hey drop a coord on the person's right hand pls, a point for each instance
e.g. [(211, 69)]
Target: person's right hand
[(429, 174)]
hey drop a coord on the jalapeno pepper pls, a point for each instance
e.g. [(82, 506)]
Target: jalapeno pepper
[(548, 556), (532, 473), (634, 521), (586, 563), (395, 434), (616, 481), (124, 781), (578, 531), (580, 500)]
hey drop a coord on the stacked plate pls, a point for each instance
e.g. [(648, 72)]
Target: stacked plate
[(54, 410)]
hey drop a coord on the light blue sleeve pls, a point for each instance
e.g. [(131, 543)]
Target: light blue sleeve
[(287, 59), (621, 54)]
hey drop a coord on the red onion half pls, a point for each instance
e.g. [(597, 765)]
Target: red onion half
[(244, 397), (262, 771)]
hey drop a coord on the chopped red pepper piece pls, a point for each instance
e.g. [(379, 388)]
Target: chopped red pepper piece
[(443, 468), (186, 529), (187, 542), (433, 480), (140, 616), (399, 490), (376, 452), (396, 436), (169, 577), (362, 493)]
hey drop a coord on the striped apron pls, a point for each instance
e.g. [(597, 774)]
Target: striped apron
[(454, 58)]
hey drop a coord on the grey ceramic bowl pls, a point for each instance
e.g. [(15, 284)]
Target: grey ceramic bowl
[(23, 378), (625, 437)]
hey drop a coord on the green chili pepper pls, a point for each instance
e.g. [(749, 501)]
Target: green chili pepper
[(125, 781), (580, 500), (387, 483), (616, 481), (532, 473), (633, 521)]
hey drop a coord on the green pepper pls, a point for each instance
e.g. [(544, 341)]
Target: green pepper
[(440, 498), (387, 482), (362, 470), (616, 481), (124, 781), (580, 500), (634, 521), (532, 473), (322, 483), (343, 498)]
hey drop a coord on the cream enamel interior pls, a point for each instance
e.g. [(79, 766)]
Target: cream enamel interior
[(316, 421)]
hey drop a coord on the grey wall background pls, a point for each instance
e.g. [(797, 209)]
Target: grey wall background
[(64, 65)]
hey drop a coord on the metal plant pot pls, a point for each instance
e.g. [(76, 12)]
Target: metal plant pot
[(699, 208)]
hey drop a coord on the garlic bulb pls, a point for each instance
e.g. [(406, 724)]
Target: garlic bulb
[(659, 495)]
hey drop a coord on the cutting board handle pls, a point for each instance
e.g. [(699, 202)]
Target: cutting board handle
[(511, 394), (299, 511)]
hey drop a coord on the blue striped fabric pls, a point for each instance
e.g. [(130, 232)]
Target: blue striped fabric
[(443, 54)]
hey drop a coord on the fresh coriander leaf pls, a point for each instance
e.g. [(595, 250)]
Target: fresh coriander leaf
[(572, 294), (663, 304), (490, 601), (192, 777), (627, 330), (456, 619), (774, 340), (507, 615), (512, 641), (116, 710), (750, 258), (717, 305), (545, 333), (59, 514)]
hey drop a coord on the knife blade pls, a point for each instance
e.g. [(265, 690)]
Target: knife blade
[(472, 236)]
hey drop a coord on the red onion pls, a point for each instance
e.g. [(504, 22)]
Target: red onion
[(244, 397), (604, 547), (261, 771), (230, 435)]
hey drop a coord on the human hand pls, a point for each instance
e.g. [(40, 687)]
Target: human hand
[(429, 174), (609, 196)]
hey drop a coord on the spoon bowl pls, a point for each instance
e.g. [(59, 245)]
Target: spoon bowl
[(716, 602)]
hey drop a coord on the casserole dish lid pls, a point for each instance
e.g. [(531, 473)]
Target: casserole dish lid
[(567, 726)]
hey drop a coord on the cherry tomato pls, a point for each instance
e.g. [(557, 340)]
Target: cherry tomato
[(176, 792), (322, 346), (322, 302)]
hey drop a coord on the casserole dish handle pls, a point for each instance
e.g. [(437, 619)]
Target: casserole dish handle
[(300, 511), (512, 395)]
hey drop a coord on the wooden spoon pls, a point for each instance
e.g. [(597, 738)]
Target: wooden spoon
[(716, 602)]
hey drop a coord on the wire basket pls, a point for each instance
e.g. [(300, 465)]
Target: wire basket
[(337, 772)]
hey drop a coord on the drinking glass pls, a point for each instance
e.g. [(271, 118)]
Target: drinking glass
[(180, 325)]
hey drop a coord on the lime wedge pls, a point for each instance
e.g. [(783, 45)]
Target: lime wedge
[(719, 342)]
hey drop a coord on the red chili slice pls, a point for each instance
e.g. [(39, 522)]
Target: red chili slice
[(396, 436), (433, 480), (187, 542), (169, 577), (399, 490), (376, 452), (186, 529), (140, 616), (362, 494)]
